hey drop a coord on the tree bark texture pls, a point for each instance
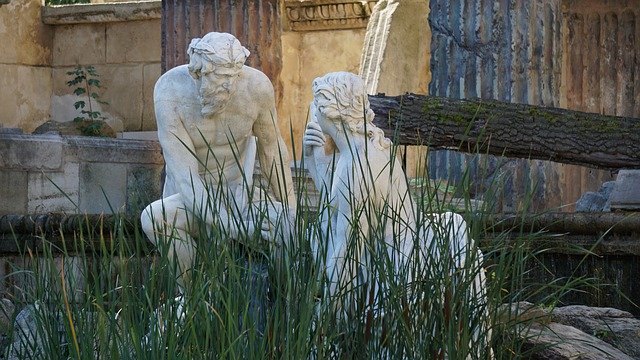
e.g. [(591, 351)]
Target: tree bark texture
[(512, 130)]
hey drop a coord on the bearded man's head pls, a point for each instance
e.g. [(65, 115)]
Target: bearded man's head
[(215, 62)]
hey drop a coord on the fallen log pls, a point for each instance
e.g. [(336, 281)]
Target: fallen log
[(512, 130)]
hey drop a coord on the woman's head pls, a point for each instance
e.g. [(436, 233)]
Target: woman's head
[(341, 98)]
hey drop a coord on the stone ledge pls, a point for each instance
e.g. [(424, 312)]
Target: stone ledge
[(94, 149), (31, 152), (311, 15), (101, 13), (48, 152)]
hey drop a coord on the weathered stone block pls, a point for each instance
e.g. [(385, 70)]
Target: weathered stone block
[(25, 40), (123, 90), (25, 93), (102, 187), (326, 14), (626, 192), (79, 44), (102, 13), (60, 78), (13, 193), (290, 106), (342, 47), (30, 152), (93, 149), (59, 81), (54, 191), (396, 48), (133, 41), (151, 74)]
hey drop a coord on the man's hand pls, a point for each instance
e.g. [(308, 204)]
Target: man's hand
[(276, 224), (265, 228), (313, 137)]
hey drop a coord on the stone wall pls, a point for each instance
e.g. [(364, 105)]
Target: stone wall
[(307, 55), (25, 75), (77, 175), (580, 55), (395, 59), (122, 41), (319, 37)]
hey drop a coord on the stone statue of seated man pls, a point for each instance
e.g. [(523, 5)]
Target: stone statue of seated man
[(214, 115), (369, 211)]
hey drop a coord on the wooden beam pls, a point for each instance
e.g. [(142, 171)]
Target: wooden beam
[(512, 130)]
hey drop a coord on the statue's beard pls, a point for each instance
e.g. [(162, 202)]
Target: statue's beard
[(214, 101)]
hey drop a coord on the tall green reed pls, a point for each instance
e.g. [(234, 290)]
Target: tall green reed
[(105, 294)]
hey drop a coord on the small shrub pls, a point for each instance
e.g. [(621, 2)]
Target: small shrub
[(86, 82)]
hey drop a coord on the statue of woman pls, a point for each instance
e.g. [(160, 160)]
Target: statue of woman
[(369, 226)]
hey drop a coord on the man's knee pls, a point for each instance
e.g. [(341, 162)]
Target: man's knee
[(151, 219)]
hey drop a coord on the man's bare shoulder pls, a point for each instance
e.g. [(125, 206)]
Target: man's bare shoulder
[(176, 85), (256, 81)]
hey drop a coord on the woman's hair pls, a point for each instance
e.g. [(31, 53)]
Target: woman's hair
[(341, 97)]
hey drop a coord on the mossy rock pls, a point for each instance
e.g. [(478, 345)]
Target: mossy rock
[(84, 128)]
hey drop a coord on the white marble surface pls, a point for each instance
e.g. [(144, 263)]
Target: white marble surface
[(368, 199), (214, 116)]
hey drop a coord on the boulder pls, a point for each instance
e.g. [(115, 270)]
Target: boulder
[(84, 127), (30, 340), (574, 332), (556, 341), (616, 327)]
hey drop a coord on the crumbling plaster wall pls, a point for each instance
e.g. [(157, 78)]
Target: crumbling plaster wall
[(307, 55), (395, 59), (25, 57), (319, 36)]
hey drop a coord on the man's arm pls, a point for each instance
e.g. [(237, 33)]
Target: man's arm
[(272, 151), (179, 156)]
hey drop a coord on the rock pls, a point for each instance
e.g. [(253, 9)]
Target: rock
[(591, 202), (4, 130), (84, 127), (607, 188), (7, 310), (523, 311), (26, 341), (63, 110), (596, 201), (28, 336), (616, 327), (558, 342), (574, 332)]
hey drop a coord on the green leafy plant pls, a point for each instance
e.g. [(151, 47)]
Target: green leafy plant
[(85, 78), (86, 82)]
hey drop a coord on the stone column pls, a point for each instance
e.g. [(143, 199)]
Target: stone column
[(256, 24), (395, 59)]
